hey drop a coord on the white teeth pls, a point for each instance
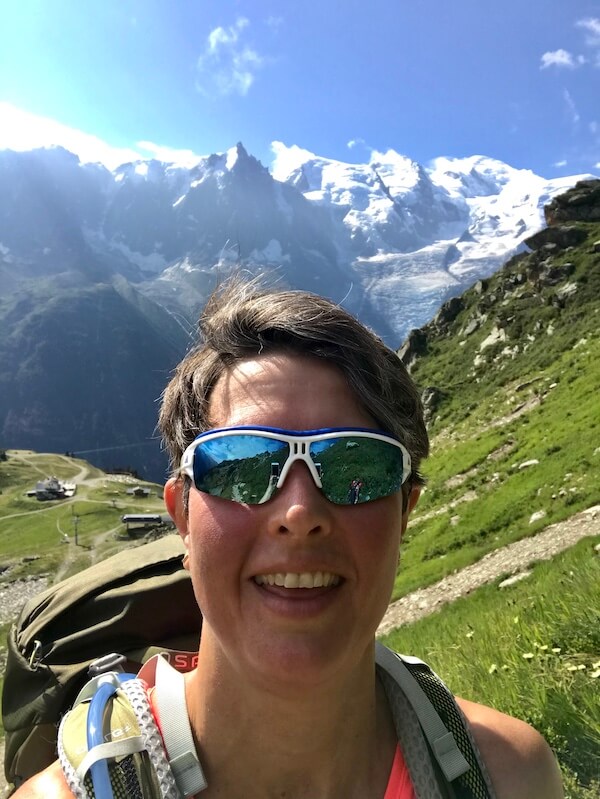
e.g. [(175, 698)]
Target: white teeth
[(306, 580), (303, 580)]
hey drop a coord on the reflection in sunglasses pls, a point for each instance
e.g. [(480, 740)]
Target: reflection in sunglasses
[(246, 468)]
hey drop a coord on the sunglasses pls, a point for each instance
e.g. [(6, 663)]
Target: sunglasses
[(248, 464)]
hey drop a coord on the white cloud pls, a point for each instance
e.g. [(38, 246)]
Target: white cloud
[(592, 27), (22, 130), (563, 59), (571, 107), (594, 127), (220, 37), (287, 159), (355, 143), (560, 164), (170, 155), (559, 58), (227, 65)]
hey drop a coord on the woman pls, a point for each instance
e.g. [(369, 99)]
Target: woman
[(291, 578)]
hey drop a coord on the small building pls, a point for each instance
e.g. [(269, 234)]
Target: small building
[(141, 522), (51, 489), (139, 491)]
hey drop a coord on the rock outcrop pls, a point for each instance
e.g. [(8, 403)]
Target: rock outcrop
[(579, 204), (562, 236), (546, 275)]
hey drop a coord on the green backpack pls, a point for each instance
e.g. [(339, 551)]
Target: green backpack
[(124, 604), (140, 603)]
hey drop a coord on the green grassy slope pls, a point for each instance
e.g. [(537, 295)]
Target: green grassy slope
[(512, 371), (32, 533), (533, 395), (532, 651)]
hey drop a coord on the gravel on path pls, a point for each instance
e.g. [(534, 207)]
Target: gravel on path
[(14, 595), (511, 559)]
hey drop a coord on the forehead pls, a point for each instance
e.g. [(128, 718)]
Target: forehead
[(285, 390)]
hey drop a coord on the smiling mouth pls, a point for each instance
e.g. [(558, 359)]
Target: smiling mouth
[(303, 580)]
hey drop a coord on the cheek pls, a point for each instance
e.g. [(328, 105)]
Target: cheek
[(378, 534), (218, 537)]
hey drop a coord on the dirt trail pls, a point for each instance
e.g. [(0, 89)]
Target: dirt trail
[(511, 559)]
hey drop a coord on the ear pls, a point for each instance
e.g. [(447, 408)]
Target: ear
[(413, 498), (173, 496)]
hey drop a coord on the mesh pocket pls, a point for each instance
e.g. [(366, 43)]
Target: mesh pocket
[(472, 784)]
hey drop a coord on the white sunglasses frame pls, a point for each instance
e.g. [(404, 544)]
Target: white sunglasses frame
[(299, 447)]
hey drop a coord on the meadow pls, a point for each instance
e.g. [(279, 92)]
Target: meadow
[(39, 537), (531, 650), (517, 431)]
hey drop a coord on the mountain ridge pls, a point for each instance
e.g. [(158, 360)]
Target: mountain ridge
[(144, 245)]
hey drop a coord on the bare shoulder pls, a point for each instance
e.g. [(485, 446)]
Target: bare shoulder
[(520, 762), (48, 784)]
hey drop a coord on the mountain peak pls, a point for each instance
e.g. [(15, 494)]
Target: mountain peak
[(235, 154)]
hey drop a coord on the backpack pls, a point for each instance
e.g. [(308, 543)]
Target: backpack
[(126, 604)]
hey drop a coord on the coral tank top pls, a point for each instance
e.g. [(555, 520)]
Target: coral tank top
[(399, 784)]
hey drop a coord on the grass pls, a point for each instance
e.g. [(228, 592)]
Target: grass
[(532, 651), (540, 405), (32, 532)]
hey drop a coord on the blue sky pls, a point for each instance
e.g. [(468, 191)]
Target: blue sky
[(517, 81)]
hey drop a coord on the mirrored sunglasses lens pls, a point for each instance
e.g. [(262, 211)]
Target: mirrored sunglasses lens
[(357, 469), (244, 468)]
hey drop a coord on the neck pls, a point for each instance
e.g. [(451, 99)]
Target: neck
[(331, 740)]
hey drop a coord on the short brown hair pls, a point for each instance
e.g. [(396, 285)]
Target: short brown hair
[(242, 320)]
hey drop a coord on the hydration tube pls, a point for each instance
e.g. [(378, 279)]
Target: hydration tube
[(95, 735)]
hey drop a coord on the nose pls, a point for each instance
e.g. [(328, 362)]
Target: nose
[(299, 507)]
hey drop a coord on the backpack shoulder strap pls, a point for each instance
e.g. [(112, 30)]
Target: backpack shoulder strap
[(442, 724), (136, 757), (169, 687), (443, 745), (130, 761)]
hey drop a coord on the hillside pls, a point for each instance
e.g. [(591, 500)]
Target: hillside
[(50, 540), (511, 379), (81, 368)]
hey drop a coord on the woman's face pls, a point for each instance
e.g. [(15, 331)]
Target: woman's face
[(273, 633)]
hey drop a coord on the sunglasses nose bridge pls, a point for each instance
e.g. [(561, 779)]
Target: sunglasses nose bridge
[(299, 451)]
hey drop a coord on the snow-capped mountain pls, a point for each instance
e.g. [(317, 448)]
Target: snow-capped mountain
[(391, 239), (414, 235), (103, 273)]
